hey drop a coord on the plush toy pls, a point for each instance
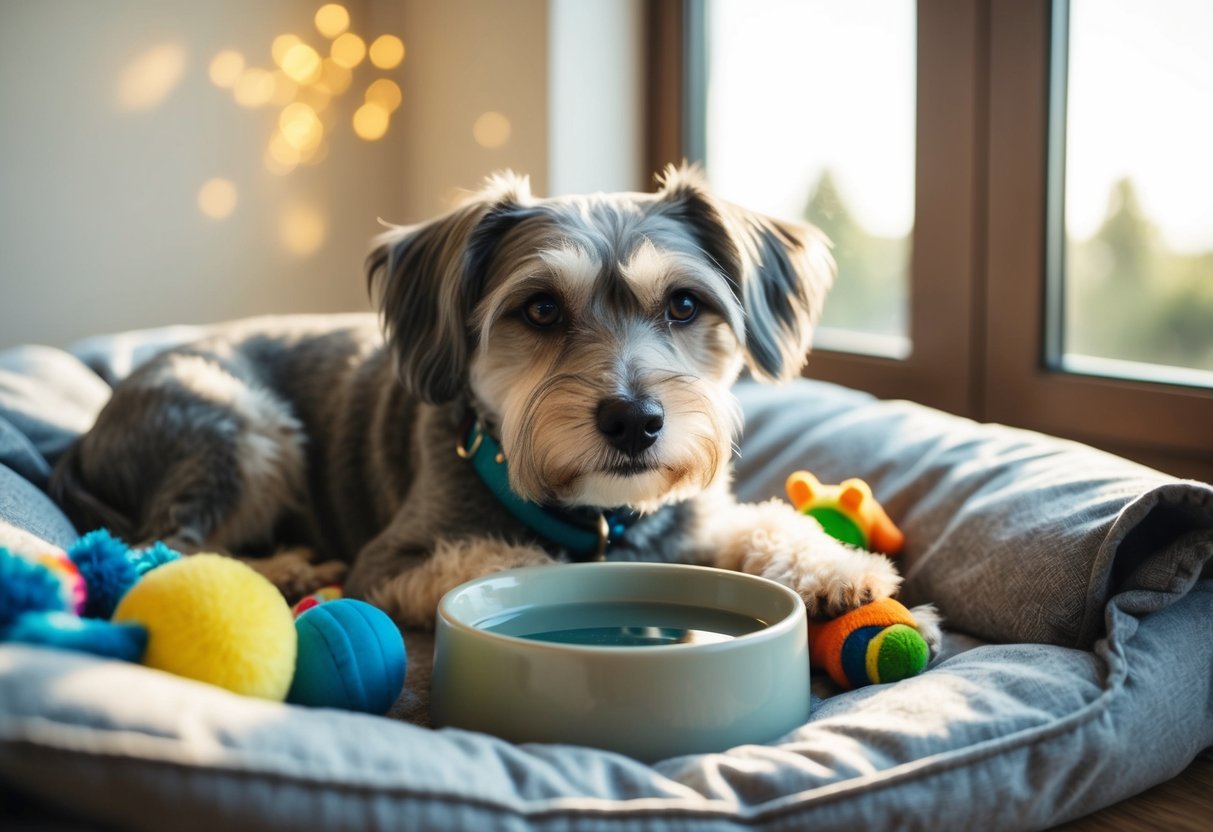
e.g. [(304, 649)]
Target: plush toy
[(351, 656), (878, 642), (847, 511), (44, 591), (214, 619), (205, 617), (870, 645)]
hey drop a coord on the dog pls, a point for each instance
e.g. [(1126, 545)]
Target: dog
[(551, 381)]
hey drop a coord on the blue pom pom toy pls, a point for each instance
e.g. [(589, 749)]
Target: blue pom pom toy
[(105, 563), (67, 631), (351, 656), (26, 586), (37, 608)]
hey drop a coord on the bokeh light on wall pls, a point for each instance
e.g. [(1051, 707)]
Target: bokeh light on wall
[(387, 52), (285, 89), (302, 230), (301, 63), (491, 130), (301, 127), (149, 79), (371, 121), (226, 68), (348, 50), (334, 78), (384, 92), (281, 45), (254, 88), (217, 198), (331, 20), (303, 83)]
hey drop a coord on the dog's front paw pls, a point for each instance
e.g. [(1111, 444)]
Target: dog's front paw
[(296, 573), (773, 540), (929, 625), (834, 586)]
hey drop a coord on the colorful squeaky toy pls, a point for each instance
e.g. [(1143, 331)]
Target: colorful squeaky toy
[(205, 617), (847, 511), (877, 642)]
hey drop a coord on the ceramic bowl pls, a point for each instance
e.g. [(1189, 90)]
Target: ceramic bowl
[(650, 660)]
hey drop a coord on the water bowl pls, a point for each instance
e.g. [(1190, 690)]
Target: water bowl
[(650, 660)]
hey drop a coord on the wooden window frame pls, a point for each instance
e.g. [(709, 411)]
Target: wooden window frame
[(979, 266)]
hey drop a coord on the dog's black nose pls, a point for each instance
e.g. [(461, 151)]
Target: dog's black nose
[(631, 425)]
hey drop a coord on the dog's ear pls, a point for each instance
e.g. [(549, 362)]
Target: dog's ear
[(427, 278), (780, 271)]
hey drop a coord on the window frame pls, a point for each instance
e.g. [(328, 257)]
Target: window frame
[(980, 265)]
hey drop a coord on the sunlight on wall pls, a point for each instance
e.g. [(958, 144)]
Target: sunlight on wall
[(217, 198), (302, 230), (149, 79), (491, 130)]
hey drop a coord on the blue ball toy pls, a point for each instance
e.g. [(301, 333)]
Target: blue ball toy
[(351, 656)]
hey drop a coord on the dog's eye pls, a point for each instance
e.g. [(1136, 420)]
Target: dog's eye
[(682, 307), (542, 311)]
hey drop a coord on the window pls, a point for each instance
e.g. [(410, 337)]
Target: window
[(1132, 256), (1005, 312), (836, 134)]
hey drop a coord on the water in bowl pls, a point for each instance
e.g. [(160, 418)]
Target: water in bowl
[(623, 624)]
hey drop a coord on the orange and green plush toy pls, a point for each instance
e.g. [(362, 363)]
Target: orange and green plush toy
[(868, 646), (847, 511), (878, 642)]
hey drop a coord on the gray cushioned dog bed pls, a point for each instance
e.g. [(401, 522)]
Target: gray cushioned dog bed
[(1078, 669)]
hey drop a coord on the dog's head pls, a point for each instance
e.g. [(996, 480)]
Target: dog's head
[(600, 336)]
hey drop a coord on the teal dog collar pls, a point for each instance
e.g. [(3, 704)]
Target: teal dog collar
[(584, 533)]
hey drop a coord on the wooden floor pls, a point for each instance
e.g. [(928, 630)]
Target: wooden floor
[(1185, 803)]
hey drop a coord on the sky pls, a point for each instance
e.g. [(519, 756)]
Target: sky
[(799, 85)]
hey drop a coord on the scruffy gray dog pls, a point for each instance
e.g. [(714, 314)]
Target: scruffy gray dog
[(555, 385)]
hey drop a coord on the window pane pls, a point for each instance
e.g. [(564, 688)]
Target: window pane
[(1138, 259), (810, 115)]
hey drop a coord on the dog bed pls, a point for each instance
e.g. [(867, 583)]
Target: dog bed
[(1077, 670)]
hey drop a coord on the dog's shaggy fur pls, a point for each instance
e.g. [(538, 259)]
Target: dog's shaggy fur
[(596, 337)]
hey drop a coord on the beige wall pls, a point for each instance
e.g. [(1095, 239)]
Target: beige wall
[(467, 58), (100, 228)]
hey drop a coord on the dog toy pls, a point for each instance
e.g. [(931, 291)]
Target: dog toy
[(216, 620), (351, 656), (44, 593), (878, 642), (206, 617), (326, 593), (873, 644), (847, 511)]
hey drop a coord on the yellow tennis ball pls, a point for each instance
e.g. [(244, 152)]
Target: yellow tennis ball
[(213, 619)]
